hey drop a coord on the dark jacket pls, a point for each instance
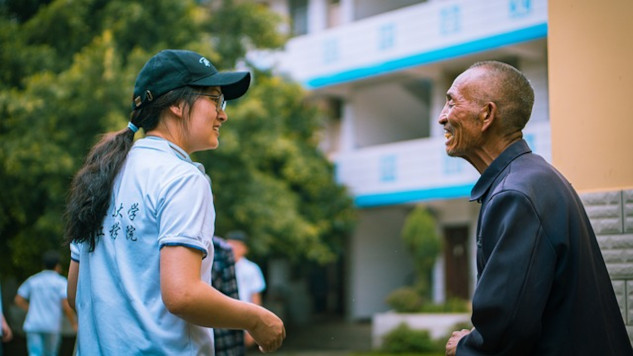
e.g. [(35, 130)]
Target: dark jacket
[(542, 286), (228, 342)]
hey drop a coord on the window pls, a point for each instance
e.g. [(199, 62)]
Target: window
[(299, 17)]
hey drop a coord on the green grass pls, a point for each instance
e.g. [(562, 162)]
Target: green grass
[(380, 353)]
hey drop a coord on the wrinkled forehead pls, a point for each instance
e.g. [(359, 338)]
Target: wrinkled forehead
[(468, 84)]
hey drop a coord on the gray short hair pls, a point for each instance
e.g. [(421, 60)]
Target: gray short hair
[(512, 93)]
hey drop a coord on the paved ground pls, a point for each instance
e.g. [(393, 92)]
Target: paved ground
[(330, 337), (321, 337)]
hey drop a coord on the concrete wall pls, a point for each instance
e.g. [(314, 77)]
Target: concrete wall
[(590, 74), (611, 215), (378, 261)]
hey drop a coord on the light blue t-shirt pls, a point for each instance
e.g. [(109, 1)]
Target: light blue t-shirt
[(45, 292), (250, 279), (160, 198)]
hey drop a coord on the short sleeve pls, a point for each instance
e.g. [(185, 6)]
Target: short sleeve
[(63, 288), (259, 283), (186, 214), (75, 251), (25, 289)]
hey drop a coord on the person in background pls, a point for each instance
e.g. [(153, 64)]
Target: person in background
[(250, 279), (43, 297), (6, 334), (228, 342), (542, 284), (140, 221)]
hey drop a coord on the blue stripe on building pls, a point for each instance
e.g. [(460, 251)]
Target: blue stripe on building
[(374, 200), (479, 45)]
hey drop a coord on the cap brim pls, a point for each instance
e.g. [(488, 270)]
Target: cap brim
[(233, 84)]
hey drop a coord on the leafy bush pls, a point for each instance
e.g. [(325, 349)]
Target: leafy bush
[(421, 238), (405, 300), (409, 300), (403, 339), (459, 326), (454, 305)]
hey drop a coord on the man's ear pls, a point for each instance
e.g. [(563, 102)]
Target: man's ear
[(488, 115)]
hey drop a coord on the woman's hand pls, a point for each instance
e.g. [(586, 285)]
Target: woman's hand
[(269, 332)]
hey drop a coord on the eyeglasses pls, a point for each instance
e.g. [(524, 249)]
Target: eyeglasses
[(220, 104)]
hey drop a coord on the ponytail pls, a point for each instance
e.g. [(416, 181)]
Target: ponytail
[(91, 187)]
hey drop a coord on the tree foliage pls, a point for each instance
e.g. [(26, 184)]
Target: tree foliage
[(67, 69), (421, 238)]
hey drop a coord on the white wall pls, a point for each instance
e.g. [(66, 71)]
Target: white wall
[(387, 113), (536, 72), (378, 261)]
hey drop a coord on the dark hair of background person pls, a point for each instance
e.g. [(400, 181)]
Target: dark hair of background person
[(50, 259)]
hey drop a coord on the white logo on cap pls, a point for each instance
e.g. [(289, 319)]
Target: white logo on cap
[(205, 61)]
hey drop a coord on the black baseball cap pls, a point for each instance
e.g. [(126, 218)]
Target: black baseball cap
[(237, 235), (174, 68)]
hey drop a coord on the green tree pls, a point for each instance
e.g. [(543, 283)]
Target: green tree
[(67, 72), (421, 238), (284, 192)]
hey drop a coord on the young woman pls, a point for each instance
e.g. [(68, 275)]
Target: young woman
[(140, 221)]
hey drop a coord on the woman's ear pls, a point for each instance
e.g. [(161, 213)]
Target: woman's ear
[(177, 109), (488, 115)]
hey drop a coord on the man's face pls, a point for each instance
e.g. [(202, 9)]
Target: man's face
[(239, 248), (460, 117)]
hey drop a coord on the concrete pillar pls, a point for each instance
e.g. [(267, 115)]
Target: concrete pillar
[(317, 16), (347, 11), (348, 142)]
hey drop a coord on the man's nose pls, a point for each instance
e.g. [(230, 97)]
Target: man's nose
[(443, 118)]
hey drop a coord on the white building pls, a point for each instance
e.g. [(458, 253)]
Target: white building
[(383, 67)]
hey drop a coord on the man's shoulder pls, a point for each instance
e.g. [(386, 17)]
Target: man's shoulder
[(529, 174), (39, 276), (532, 179), (44, 278), (247, 264), (54, 278)]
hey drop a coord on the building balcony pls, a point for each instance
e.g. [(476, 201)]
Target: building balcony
[(417, 170), (409, 37)]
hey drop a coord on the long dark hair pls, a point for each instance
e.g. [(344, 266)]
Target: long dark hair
[(91, 188)]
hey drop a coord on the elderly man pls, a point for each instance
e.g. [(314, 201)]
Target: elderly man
[(542, 285)]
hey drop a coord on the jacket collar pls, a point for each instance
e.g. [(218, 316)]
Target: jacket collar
[(496, 167)]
